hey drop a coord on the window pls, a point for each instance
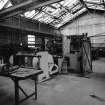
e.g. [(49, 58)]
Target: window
[(76, 43), (31, 41)]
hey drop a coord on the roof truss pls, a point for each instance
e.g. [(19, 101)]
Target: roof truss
[(53, 12)]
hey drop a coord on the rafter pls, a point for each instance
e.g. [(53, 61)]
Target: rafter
[(83, 3), (93, 3), (28, 25), (65, 8), (35, 15), (28, 5), (54, 17), (103, 2), (6, 4), (8, 11), (13, 1)]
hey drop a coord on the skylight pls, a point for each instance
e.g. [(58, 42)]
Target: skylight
[(59, 13), (55, 14), (5, 4)]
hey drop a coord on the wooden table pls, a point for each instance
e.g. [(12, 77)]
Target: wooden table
[(23, 74)]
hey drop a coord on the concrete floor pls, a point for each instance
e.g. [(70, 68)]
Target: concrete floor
[(61, 90)]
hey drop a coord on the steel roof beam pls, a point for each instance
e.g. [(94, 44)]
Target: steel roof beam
[(28, 25), (83, 3), (93, 3), (65, 8), (103, 2), (25, 6), (5, 5), (54, 17), (69, 10)]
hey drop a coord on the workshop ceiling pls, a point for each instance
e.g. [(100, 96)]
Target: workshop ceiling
[(53, 12)]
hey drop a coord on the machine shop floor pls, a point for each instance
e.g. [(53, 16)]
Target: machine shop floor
[(67, 89)]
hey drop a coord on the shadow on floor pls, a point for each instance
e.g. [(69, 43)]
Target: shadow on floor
[(97, 76)]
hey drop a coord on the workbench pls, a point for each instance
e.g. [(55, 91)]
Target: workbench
[(23, 74), (20, 59)]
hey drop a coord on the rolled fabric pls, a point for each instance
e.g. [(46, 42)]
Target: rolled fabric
[(35, 62), (2, 66), (11, 60)]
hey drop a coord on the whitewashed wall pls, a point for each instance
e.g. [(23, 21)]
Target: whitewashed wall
[(91, 23)]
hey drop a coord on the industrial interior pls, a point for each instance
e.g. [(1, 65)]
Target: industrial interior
[(52, 52)]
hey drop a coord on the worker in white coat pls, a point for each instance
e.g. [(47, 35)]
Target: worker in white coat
[(46, 63)]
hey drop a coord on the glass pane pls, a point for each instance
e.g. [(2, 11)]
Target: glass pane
[(31, 46), (49, 9), (70, 17), (48, 19), (31, 36), (30, 14), (77, 7), (39, 16), (31, 42), (5, 3), (80, 12), (100, 7), (56, 5), (94, 1), (68, 2), (44, 16), (8, 5), (2, 3), (61, 12), (31, 39)]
